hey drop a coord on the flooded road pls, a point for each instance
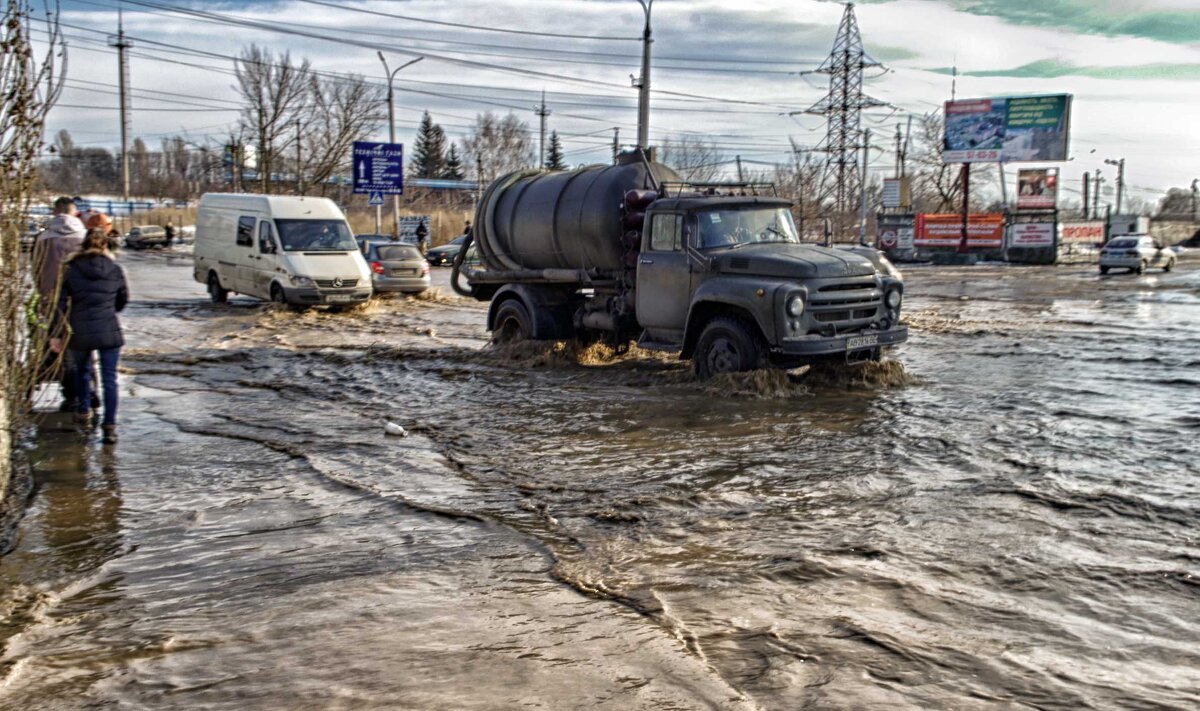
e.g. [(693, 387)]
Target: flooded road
[(1007, 521)]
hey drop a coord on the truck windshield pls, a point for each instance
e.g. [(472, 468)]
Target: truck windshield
[(315, 236), (728, 228)]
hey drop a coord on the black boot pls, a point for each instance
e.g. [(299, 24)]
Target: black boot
[(110, 434)]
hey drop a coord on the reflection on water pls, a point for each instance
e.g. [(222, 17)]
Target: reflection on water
[(1007, 519)]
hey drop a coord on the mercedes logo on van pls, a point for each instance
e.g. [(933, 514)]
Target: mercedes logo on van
[(337, 282)]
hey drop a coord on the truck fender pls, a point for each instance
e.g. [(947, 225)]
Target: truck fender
[(729, 298), (549, 309)]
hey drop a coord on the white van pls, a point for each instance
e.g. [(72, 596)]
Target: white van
[(295, 250)]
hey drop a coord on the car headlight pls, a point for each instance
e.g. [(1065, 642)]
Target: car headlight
[(893, 299), (795, 306), (301, 281)]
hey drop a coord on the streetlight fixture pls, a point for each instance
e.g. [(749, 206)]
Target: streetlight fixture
[(1120, 178), (643, 85), (392, 130)]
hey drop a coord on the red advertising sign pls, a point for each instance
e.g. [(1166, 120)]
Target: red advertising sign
[(945, 230), (1091, 232)]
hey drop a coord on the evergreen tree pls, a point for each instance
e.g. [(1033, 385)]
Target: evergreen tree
[(554, 153), (429, 150), (454, 166)]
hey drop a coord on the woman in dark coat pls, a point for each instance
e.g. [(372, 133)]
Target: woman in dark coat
[(93, 291)]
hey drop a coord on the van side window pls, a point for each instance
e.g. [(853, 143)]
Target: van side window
[(245, 233), (664, 233), (266, 238)]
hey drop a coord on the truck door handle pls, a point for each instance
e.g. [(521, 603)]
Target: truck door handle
[(647, 261)]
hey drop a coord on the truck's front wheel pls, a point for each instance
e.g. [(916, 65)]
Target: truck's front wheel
[(512, 322), (727, 345)]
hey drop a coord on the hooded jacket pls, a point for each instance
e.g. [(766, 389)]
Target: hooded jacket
[(93, 291), (61, 238)]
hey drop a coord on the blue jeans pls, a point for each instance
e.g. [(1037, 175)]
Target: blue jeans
[(108, 376)]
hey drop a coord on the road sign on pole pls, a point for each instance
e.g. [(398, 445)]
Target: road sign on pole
[(376, 199), (378, 168)]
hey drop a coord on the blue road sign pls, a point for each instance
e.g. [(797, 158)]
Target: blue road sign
[(376, 199), (378, 168)]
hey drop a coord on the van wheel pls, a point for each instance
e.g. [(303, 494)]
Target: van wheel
[(1169, 265), (1141, 267), (1104, 270), (727, 345), (277, 295), (216, 292), (512, 323)]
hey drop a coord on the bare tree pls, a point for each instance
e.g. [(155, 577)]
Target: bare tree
[(498, 146), (936, 186), (275, 92), (340, 112), (30, 82), (799, 181), (694, 158)]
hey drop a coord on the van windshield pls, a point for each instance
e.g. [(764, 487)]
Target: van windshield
[(315, 236)]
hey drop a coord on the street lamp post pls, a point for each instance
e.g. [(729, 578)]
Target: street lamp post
[(1120, 179), (392, 130), (643, 137)]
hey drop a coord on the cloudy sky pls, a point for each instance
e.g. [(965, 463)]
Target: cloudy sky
[(728, 70)]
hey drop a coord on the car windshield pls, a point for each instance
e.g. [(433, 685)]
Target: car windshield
[(395, 252), (728, 228), (315, 236), (1122, 243)]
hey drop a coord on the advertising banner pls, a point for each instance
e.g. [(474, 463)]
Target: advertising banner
[(408, 227), (1007, 129), (1037, 189), (896, 192), (1089, 232), (895, 232), (945, 230), (1031, 234)]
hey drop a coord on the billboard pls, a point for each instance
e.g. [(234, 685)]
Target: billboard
[(945, 230), (1031, 234), (1007, 129), (897, 192), (1037, 189), (1086, 232), (895, 232)]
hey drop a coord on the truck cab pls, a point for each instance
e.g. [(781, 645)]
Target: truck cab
[(727, 282)]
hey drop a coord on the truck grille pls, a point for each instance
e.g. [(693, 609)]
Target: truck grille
[(848, 304), (345, 283)]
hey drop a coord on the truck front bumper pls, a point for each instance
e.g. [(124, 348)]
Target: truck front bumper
[(818, 345)]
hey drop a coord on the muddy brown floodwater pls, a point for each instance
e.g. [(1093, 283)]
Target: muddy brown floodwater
[(1006, 520)]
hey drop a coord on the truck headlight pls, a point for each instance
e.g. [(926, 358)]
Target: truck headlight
[(893, 299), (795, 306), (301, 281)]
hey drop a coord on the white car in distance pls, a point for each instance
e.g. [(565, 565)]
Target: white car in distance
[(1137, 253)]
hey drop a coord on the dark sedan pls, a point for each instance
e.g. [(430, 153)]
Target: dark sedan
[(444, 254)]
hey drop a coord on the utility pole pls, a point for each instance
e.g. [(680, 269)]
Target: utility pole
[(391, 99), (1087, 184), (121, 43), (1096, 183), (1120, 179), (862, 227), (299, 165), (899, 149), (616, 142), (966, 208), (542, 112), (1196, 200), (1004, 187), (741, 179), (904, 152), (643, 83)]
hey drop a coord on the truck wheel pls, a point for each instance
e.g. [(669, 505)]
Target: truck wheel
[(1169, 265), (1104, 270), (512, 322), (218, 294), (727, 345)]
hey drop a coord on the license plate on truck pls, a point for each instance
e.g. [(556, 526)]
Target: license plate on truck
[(339, 298), (858, 342)]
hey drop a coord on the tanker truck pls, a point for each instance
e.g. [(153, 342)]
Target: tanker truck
[(715, 272)]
